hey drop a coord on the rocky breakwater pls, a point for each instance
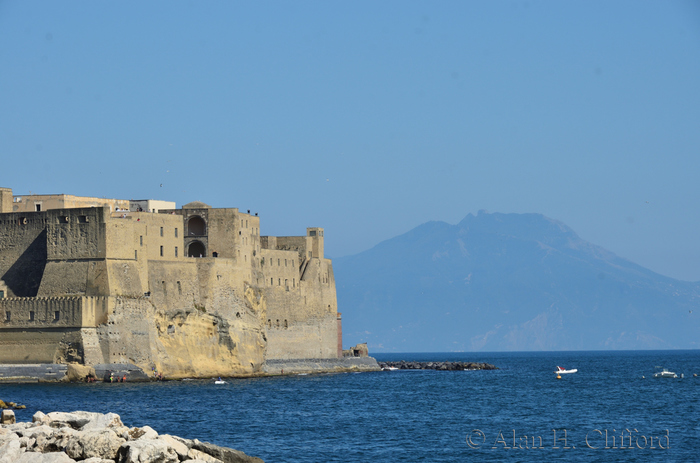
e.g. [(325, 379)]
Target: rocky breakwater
[(87, 437), (446, 366)]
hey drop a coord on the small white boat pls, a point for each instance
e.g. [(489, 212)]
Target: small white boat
[(665, 374), (219, 381), (389, 369), (562, 371)]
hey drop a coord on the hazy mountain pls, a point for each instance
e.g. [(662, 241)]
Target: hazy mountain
[(508, 282)]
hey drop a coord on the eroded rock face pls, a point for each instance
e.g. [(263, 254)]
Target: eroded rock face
[(189, 342), (196, 344), (86, 437)]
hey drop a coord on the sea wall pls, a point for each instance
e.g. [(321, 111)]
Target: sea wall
[(296, 366), (32, 372)]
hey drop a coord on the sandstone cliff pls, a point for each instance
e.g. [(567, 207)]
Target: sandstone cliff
[(183, 342)]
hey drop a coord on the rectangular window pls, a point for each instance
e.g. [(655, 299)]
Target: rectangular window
[(272, 282), (56, 316), (141, 240), (136, 254), (175, 251), (2, 294), (161, 231), (278, 262), (285, 262), (161, 251), (38, 207), (176, 233), (8, 316), (31, 315), (164, 289), (279, 282), (179, 288)]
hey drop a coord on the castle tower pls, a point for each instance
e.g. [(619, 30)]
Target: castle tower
[(5, 200), (315, 235)]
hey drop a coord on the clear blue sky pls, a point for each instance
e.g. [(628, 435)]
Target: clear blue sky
[(368, 118)]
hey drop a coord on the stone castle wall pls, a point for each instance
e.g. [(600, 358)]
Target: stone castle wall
[(95, 286), (53, 312), (48, 329)]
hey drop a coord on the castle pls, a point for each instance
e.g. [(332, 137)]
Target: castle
[(194, 291)]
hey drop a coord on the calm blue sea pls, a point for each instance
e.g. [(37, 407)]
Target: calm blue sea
[(520, 412)]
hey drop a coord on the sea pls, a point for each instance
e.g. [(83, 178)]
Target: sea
[(611, 410)]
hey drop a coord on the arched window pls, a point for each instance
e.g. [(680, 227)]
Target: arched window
[(196, 226), (196, 249)]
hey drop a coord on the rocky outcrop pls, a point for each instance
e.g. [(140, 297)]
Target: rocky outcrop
[(182, 343), (88, 437), (449, 366), (359, 350), (16, 406)]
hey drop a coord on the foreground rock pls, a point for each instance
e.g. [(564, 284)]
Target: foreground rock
[(448, 366), (60, 437)]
